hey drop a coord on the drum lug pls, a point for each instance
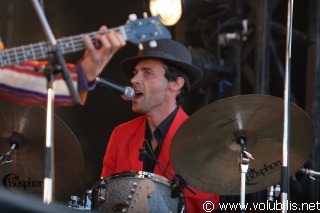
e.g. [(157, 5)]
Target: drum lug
[(102, 195), (102, 192)]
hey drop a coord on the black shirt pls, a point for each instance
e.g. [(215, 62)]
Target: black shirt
[(159, 134)]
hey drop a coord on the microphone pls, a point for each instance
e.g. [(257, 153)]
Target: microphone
[(309, 172), (126, 92)]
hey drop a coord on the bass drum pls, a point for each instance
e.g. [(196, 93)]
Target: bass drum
[(135, 192)]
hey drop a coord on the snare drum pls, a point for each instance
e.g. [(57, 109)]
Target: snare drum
[(135, 192)]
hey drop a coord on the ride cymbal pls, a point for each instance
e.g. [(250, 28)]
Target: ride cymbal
[(205, 149), (23, 168)]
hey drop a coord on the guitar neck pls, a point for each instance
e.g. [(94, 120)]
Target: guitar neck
[(134, 31), (39, 51)]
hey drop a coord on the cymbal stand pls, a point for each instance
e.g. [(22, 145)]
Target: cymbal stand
[(54, 55), (244, 159)]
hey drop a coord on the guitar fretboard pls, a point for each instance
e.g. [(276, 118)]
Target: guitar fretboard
[(39, 51)]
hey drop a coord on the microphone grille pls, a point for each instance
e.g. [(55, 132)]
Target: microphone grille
[(128, 94)]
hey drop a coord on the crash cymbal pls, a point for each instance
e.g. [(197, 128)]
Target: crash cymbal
[(27, 126), (205, 149)]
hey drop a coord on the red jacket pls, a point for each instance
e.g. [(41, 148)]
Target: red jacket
[(123, 155)]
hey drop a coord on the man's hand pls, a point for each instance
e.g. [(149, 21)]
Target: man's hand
[(96, 58)]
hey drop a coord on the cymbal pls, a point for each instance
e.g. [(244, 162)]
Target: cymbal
[(205, 149), (27, 127)]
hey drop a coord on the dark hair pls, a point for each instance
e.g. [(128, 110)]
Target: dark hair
[(172, 73)]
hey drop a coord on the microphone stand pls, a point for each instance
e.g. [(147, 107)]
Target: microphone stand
[(54, 55), (286, 124)]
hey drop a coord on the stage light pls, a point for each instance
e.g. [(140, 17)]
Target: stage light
[(170, 11)]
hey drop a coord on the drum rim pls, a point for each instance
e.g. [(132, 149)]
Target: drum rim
[(137, 174)]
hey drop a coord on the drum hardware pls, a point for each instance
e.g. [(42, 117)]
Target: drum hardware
[(15, 142), (177, 186), (102, 192), (244, 159), (178, 183), (81, 204), (207, 141), (177, 190), (6, 158), (272, 192)]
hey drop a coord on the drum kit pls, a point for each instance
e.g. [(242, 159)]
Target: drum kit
[(207, 151)]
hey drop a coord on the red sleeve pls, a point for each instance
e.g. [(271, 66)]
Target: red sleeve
[(110, 158)]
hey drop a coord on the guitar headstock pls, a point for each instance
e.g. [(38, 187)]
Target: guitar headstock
[(146, 29)]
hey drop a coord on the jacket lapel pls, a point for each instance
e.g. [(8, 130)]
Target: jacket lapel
[(136, 142), (164, 157)]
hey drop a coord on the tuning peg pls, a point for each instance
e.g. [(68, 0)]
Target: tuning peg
[(153, 44), (155, 34), (133, 17), (140, 46)]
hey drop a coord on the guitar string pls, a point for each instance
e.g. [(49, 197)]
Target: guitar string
[(40, 50), (75, 40)]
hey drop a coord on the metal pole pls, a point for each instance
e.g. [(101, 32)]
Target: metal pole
[(286, 125)]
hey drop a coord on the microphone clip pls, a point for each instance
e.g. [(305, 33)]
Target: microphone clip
[(143, 153), (177, 185)]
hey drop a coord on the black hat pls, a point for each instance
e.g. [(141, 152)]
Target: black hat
[(169, 51)]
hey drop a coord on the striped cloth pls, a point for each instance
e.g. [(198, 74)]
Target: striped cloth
[(26, 84)]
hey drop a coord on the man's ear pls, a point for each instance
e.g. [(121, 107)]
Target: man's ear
[(177, 84)]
